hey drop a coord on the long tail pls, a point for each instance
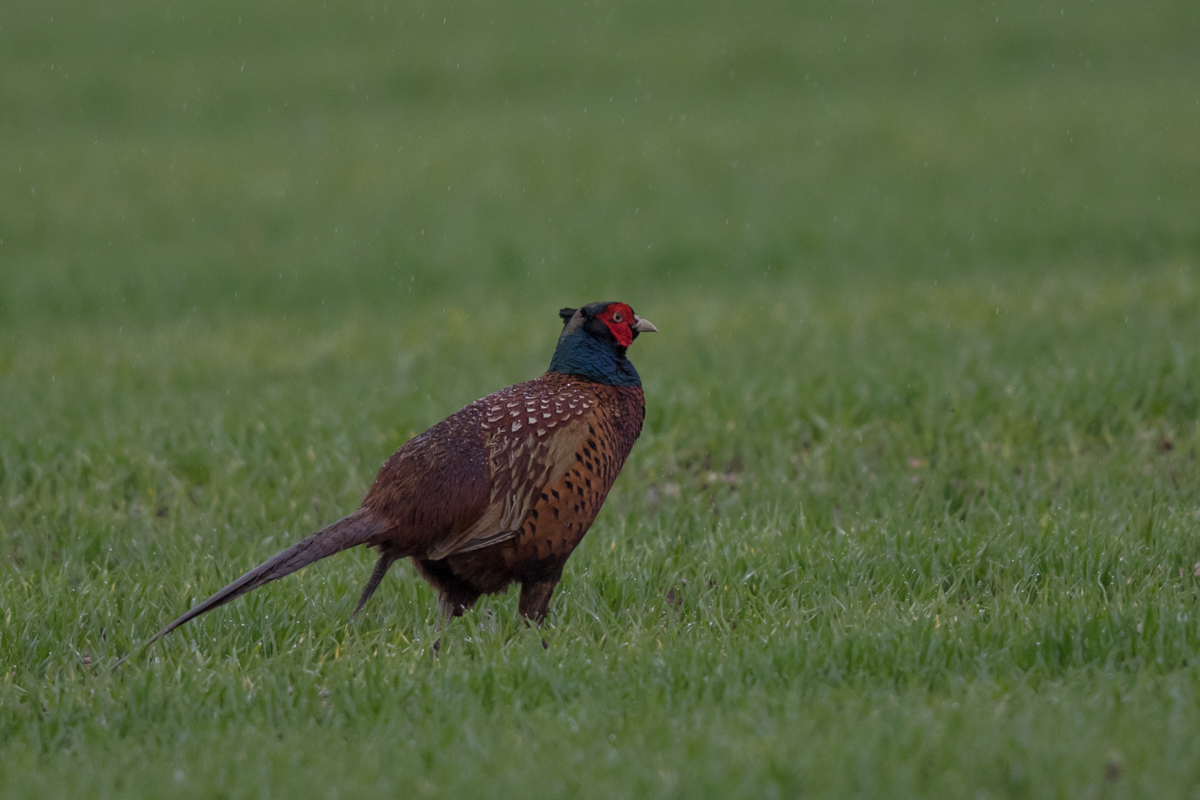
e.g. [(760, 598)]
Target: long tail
[(358, 528)]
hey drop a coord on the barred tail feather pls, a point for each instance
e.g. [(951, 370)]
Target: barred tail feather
[(359, 528)]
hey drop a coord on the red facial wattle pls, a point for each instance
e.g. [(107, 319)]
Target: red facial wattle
[(619, 319)]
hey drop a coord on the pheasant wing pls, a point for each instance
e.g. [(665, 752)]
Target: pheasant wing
[(531, 433)]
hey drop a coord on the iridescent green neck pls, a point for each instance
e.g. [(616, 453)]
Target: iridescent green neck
[(585, 356)]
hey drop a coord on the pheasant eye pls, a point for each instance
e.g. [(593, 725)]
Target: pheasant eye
[(617, 317)]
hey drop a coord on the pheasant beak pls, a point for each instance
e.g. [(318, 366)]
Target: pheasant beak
[(643, 325)]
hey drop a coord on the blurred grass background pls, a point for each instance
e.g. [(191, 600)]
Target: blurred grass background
[(915, 509), (163, 157)]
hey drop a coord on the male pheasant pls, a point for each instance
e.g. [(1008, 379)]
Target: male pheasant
[(501, 491)]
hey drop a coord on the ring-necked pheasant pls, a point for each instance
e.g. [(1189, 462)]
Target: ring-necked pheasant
[(501, 491)]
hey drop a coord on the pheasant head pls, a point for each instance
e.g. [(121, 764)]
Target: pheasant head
[(594, 340)]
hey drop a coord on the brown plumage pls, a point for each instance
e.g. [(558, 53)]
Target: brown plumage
[(503, 490)]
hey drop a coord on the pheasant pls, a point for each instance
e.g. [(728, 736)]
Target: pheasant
[(501, 491)]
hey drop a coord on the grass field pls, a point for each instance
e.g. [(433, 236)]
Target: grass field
[(916, 512)]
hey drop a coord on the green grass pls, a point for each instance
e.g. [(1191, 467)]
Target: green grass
[(916, 509)]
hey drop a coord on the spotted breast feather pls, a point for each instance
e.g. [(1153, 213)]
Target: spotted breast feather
[(555, 447)]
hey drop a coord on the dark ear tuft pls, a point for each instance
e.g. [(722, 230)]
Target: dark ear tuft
[(566, 314)]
